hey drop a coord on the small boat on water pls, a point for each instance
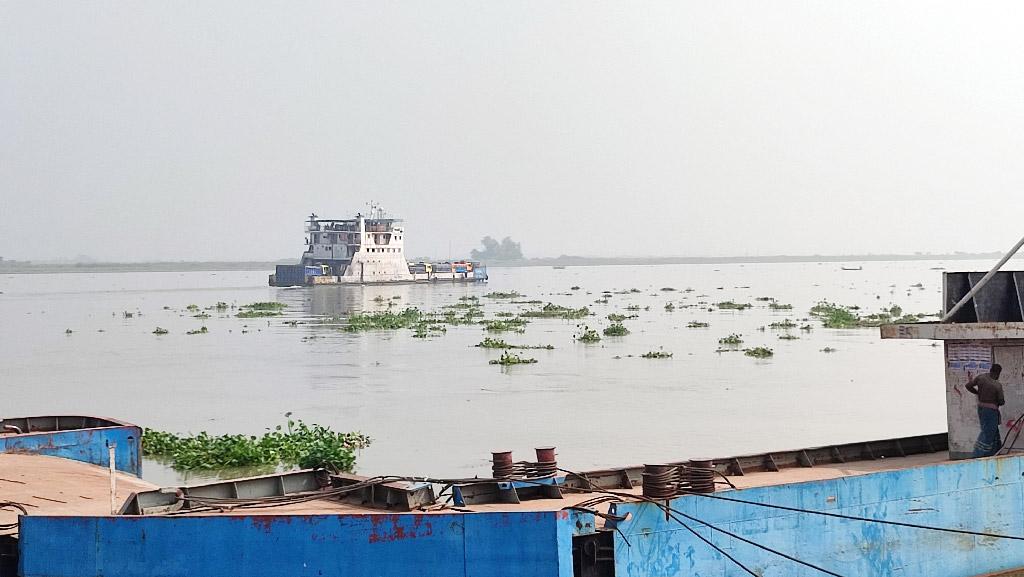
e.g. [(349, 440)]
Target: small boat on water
[(852, 268)]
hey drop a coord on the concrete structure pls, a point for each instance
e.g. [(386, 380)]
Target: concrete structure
[(988, 330)]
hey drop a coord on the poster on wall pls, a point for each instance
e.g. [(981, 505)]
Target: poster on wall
[(969, 357)]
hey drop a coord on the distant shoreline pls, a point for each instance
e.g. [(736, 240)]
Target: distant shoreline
[(16, 267)]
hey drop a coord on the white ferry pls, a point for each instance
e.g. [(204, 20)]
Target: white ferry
[(366, 250)]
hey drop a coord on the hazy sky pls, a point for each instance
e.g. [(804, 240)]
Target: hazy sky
[(208, 130)]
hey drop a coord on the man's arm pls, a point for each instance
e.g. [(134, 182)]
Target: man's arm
[(972, 386), (1000, 400)]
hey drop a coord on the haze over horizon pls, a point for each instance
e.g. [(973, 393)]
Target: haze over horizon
[(208, 131)]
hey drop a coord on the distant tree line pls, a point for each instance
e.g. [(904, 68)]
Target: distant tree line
[(506, 250)]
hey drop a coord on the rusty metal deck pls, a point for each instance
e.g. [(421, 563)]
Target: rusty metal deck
[(57, 486)]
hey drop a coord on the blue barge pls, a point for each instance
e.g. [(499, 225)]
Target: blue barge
[(909, 507), (400, 533)]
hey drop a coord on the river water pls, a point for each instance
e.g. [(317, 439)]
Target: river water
[(436, 407)]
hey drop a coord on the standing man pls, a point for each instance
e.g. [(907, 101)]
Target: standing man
[(990, 398)]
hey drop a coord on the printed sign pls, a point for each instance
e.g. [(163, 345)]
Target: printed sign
[(969, 357)]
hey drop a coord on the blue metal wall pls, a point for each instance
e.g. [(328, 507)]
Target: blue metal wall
[(529, 544), (89, 445), (981, 495)]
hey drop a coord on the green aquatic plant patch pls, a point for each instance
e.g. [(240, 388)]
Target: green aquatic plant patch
[(261, 309), (585, 334), (616, 330), (428, 328), (759, 352), (833, 316), (295, 444), (508, 359), (514, 325), (265, 306), (492, 343), (383, 320), (503, 295), (451, 317), (617, 318), (734, 339), (656, 355), (553, 311)]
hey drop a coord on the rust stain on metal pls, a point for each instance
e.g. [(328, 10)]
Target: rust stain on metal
[(382, 533)]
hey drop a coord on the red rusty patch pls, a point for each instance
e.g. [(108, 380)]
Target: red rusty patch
[(264, 522), (382, 533)]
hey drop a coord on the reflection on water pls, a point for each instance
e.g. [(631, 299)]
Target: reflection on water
[(340, 300), (435, 406)]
